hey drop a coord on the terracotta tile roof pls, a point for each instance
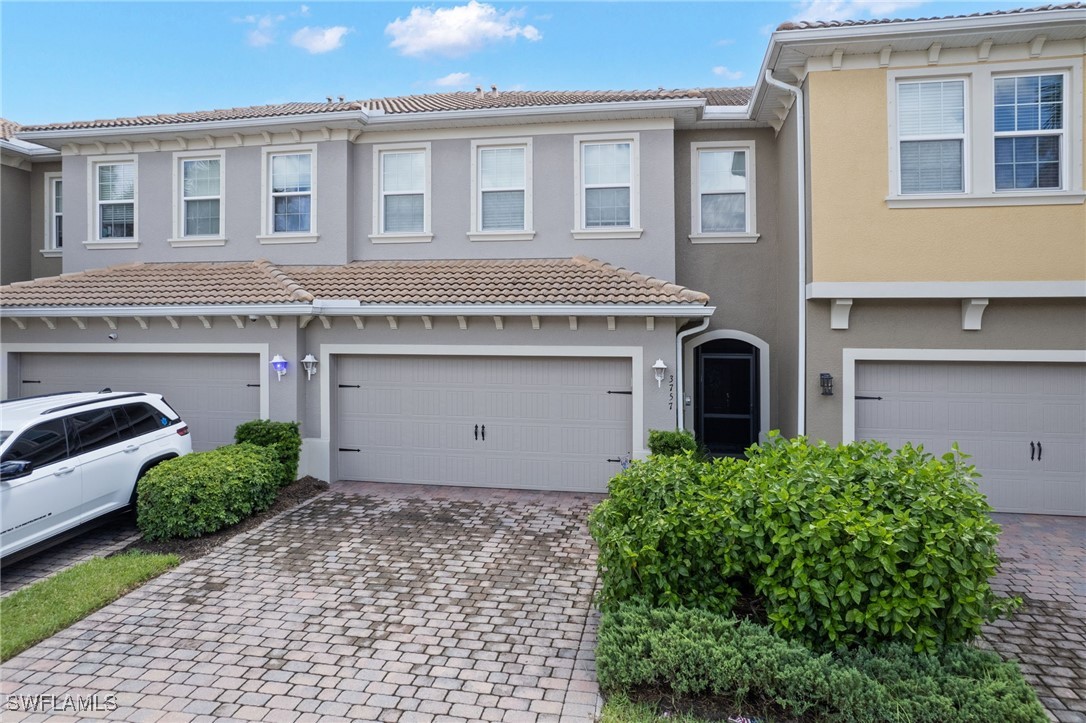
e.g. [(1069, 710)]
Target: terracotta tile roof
[(416, 104), (515, 281), (144, 284), (816, 24), (7, 129)]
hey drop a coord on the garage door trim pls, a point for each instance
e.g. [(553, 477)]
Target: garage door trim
[(634, 353), (850, 356), (258, 349)]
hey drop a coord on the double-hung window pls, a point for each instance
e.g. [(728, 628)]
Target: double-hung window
[(402, 197), (931, 136), (54, 215), (722, 199), (114, 196), (1028, 120), (608, 175), (199, 200), (501, 190), (290, 206)]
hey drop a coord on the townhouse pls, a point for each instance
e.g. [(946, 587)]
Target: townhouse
[(885, 237)]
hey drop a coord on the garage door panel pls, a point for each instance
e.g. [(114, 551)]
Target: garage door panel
[(542, 417), (994, 411), (211, 392)]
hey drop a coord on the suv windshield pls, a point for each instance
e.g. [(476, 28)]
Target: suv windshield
[(4, 434)]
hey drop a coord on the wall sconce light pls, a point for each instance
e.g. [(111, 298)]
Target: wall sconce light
[(279, 365), (309, 363), (659, 368), (825, 380)]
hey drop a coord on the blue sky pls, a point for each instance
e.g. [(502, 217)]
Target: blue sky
[(75, 61)]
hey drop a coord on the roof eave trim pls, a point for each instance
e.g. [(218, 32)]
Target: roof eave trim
[(360, 115), (24, 151), (537, 110), (354, 308)]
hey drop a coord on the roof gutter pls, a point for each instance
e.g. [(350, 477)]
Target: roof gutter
[(801, 249), (379, 118), (28, 150)]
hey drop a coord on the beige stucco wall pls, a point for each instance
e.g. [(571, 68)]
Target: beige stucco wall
[(856, 237)]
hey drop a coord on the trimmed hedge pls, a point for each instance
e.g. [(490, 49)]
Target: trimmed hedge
[(697, 653), (283, 436), (203, 492), (842, 546), (669, 442)]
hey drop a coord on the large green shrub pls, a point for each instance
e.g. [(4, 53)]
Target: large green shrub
[(857, 544), (283, 436), (664, 535), (749, 668), (206, 491), (840, 546), (668, 442)]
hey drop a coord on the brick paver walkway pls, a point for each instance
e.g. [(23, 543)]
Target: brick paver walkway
[(98, 542), (1044, 563), (371, 603)]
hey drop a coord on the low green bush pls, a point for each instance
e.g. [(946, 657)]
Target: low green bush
[(747, 667), (668, 442), (840, 546), (665, 536), (283, 436), (203, 492)]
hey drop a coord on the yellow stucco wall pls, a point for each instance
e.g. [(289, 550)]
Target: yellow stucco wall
[(856, 237)]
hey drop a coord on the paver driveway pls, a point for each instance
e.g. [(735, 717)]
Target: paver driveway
[(370, 603)]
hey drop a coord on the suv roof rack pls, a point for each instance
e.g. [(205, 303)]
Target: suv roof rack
[(93, 401), (38, 396)]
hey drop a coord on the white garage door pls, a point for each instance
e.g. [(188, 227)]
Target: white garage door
[(213, 393), (561, 424), (1024, 424)]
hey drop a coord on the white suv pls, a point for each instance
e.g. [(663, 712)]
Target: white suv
[(69, 459)]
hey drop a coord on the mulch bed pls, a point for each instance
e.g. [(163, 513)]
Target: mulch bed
[(289, 497)]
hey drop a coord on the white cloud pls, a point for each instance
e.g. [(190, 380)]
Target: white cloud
[(726, 74), (850, 9), (263, 32), (724, 42), (319, 40), (454, 80), (457, 31)]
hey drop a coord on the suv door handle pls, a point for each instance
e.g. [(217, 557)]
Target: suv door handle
[(64, 471), (130, 449)]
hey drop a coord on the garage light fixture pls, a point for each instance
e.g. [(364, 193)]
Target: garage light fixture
[(279, 364), (309, 363), (825, 381), (659, 368)]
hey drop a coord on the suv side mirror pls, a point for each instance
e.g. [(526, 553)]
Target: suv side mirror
[(15, 468)]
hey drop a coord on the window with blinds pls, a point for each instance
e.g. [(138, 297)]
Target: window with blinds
[(931, 136)]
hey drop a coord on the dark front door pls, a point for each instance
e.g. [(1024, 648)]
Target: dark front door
[(727, 412)]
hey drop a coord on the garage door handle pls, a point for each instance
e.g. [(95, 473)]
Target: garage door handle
[(1039, 451), (252, 385), (349, 449), (64, 471), (350, 386), (484, 432), (476, 432), (130, 449), (1032, 451)]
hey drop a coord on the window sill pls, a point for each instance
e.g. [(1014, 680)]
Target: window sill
[(180, 243), (501, 235), (51, 253), (1060, 198), (606, 233), (724, 238), (288, 238), (110, 245), (401, 238)]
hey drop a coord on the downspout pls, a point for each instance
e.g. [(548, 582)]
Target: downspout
[(680, 406), (801, 192)]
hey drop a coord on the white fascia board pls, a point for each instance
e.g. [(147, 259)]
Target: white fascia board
[(349, 308), (946, 289), (726, 113), (531, 112), (63, 135), (27, 150)]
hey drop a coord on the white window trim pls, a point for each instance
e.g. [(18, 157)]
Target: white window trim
[(750, 235), (966, 136), (378, 237), (49, 242), (980, 136), (93, 241), (180, 240), (634, 230), (476, 233), (1065, 146), (267, 235)]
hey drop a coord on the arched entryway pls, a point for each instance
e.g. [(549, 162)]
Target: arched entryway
[(729, 390)]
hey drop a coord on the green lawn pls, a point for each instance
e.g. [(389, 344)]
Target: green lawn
[(620, 709), (50, 605)]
